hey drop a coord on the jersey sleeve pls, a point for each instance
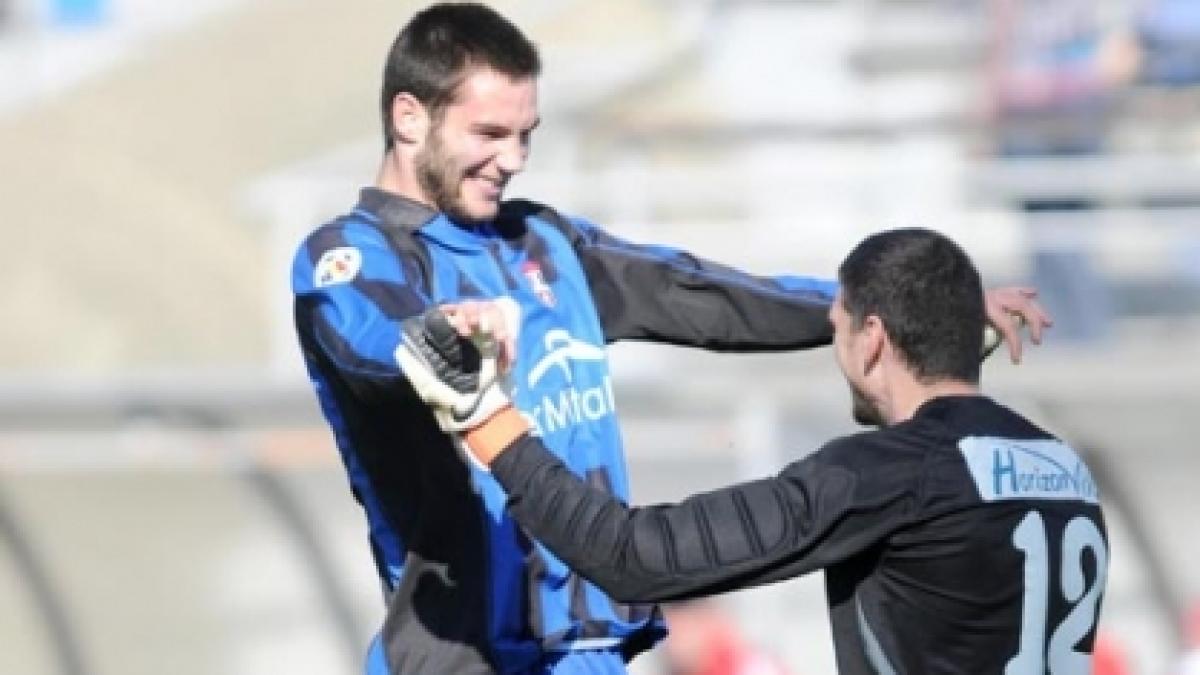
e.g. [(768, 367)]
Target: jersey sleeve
[(351, 293), (818, 511), (663, 294)]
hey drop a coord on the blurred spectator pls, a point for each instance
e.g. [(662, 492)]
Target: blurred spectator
[(1056, 69), (1168, 32), (704, 640)]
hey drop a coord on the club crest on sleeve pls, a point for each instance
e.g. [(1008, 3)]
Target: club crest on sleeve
[(337, 266)]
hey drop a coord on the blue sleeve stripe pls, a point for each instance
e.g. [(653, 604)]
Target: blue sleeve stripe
[(385, 538), (366, 215), (380, 262), (357, 358), (357, 323), (825, 288), (395, 301), (386, 279)]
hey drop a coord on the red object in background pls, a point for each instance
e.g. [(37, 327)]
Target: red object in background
[(705, 641), (1108, 656), (1191, 626)]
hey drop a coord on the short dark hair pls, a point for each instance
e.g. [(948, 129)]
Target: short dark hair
[(929, 296), (441, 45)]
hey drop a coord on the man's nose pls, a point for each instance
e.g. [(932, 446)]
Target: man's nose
[(512, 156)]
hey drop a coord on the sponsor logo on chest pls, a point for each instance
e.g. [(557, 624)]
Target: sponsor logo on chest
[(571, 404)]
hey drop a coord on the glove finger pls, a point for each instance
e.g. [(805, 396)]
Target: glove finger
[(427, 385), (487, 372), (468, 404), (442, 334)]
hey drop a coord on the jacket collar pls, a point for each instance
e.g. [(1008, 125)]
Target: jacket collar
[(391, 210)]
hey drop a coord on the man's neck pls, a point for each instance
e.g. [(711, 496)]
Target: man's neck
[(913, 394), (391, 179)]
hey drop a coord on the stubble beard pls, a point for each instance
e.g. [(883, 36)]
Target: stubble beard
[(441, 178), (864, 412)]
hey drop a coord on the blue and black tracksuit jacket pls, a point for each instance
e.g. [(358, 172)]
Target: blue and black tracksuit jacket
[(467, 590)]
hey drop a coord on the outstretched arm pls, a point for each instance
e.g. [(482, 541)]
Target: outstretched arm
[(814, 513), (667, 295), (819, 510), (662, 294)]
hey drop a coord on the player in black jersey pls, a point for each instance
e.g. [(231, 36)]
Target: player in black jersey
[(957, 538)]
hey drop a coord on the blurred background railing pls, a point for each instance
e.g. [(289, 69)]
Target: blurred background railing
[(169, 498)]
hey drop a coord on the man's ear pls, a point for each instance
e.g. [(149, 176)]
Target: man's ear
[(874, 340), (410, 119)]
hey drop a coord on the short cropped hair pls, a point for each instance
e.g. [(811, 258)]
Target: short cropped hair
[(443, 44), (929, 296)]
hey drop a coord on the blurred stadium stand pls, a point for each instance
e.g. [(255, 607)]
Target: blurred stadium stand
[(169, 499)]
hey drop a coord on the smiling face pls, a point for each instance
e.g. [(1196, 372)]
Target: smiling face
[(479, 141)]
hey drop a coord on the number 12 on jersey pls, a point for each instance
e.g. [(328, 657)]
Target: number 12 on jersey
[(1058, 657)]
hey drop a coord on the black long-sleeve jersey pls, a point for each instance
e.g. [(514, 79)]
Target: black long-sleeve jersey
[(963, 540)]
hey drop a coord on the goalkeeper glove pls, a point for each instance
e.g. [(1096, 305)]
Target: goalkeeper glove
[(457, 377)]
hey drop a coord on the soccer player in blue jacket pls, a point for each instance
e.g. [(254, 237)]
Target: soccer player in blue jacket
[(467, 590)]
